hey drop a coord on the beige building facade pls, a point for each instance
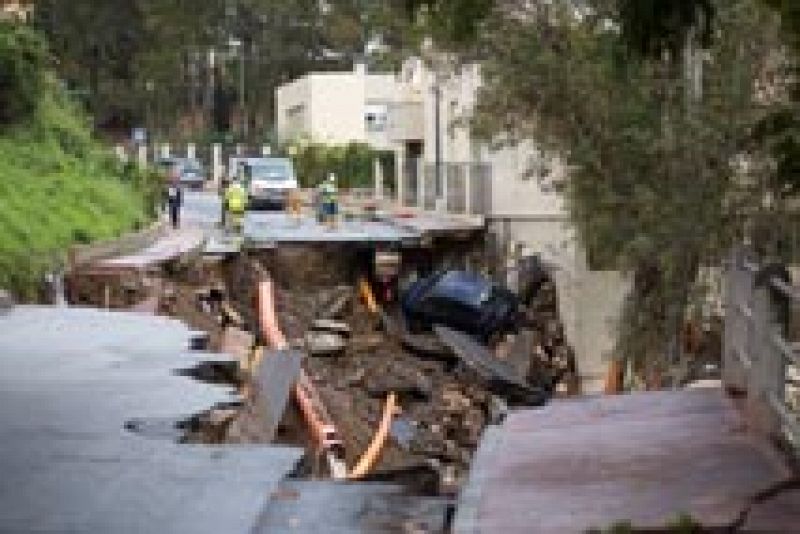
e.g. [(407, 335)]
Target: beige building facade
[(16, 10), (344, 107)]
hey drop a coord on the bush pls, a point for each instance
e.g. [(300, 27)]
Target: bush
[(353, 163)]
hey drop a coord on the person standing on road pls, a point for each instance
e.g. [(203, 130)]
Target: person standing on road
[(328, 201), (174, 198), (235, 204)]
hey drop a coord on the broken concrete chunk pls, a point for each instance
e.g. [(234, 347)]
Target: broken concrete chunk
[(336, 304), (329, 325), (500, 376), (324, 343), (402, 431), (274, 380), (498, 409)]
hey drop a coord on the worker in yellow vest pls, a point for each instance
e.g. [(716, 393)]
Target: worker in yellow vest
[(235, 204), (329, 202)]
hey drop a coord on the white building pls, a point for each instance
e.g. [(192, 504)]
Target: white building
[(344, 107), (20, 10)]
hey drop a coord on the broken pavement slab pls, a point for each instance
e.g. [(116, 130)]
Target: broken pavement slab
[(274, 379), (500, 376), (314, 507), (71, 379)]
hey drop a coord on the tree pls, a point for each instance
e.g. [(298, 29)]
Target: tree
[(146, 61), (651, 145)]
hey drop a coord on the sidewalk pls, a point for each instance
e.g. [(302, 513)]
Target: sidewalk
[(644, 458)]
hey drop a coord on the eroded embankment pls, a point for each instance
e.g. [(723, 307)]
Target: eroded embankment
[(354, 358)]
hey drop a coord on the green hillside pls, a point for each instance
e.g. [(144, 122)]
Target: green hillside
[(58, 186)]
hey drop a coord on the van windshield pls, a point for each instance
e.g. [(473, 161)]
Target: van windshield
[(191, 166), (270, 171)]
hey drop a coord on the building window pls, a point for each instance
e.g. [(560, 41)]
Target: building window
[(295, 110), (376, 117)]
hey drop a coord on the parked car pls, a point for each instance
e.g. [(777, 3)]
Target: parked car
[(461, 300), (268, 181), (190, 171)]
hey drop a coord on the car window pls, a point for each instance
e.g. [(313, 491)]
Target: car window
[(191, 166), (470, 290)]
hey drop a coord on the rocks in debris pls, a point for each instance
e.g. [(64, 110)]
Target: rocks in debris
[(329, 325), (324, 343), (497, 410), (336, 303), (403, 431), (404, 381), (366, 342), (355, 378)]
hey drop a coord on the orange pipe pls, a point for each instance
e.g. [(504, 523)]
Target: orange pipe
[(373, 452), (368, 296), (266, 316), (316, 416)]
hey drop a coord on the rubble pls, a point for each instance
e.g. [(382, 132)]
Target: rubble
[(324, 343), (328, 325), (356, 359)]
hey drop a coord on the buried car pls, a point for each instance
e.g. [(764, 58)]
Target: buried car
[(461, 300)]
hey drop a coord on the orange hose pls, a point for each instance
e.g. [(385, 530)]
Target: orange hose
[(373, 452), (316, 416)]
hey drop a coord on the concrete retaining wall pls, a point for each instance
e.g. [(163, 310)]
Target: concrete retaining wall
[(590, 302)]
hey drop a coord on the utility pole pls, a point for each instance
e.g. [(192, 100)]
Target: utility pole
[(437, 99), (242, 111), (210, 92), (237, 45)]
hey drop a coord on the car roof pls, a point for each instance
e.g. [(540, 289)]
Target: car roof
[(265, 161), (461, 286)]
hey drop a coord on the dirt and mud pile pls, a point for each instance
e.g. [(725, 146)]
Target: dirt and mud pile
[(355, 360)]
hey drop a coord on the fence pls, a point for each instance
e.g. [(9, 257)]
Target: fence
[(460, 188), (759, 360), (213, 157)]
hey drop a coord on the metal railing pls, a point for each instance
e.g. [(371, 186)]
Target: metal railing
[(461, 188), (758, 358)]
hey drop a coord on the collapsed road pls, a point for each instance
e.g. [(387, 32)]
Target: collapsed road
[(335, 367)]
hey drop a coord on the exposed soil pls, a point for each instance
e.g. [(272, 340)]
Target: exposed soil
[(444, 406)]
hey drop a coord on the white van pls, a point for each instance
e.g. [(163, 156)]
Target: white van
[(268, 181)]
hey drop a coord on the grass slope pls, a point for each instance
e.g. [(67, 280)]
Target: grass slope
[(59, 187)]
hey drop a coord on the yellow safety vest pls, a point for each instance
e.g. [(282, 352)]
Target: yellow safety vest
[(236, 199)]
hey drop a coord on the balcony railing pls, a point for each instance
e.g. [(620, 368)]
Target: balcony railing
[(759, 359)]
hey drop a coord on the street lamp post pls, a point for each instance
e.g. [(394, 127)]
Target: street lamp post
[(236, 44)]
